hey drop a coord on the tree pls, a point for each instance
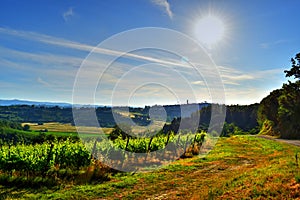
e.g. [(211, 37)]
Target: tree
[(289, 103), (268, 108), (279, 113), (295, 70), (289, 111), (26, 127), (123, 130)]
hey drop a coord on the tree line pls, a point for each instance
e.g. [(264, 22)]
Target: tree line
[(279, 112), (239, 119)]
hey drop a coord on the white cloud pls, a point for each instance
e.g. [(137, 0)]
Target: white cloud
[(41, 81), (237, 77), (68, 14), (164, 4), (231, 76), (198, 83)]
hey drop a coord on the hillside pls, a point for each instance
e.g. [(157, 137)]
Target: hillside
[(238, 167), (44, 112), (241, 116)]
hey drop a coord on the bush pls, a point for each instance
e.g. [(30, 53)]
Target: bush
[(26, 127)]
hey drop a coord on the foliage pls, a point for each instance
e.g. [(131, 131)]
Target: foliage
[(10, 124), (267, 128), (60, 160), (121, 130), (240, 167), (268, 108), (42, 114), (289, 111), (295, 69), (279, 112), (243, 118), (26, 127), (157, 142), (231, 129), (39, 159), (106, 115)]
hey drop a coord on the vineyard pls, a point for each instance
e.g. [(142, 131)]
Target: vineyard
[(89, 159)]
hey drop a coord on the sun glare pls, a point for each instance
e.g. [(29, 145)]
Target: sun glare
[(209, 30)]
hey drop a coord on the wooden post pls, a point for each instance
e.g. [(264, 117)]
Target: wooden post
[(94, 150), (148, 148), (186, 143), (128, 138), (175, 149), (168, 138)]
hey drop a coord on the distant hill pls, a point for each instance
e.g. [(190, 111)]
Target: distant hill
[(40, 112), (36, 103)]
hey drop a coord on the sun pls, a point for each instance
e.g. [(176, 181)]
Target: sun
[(209, 30)]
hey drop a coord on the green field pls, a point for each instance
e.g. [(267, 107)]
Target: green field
[(61, 129), (239, 167)]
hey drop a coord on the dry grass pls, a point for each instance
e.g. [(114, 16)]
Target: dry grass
[(59, 127), (154, 126)]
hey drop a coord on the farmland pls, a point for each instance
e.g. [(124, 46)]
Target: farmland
[(238, 167)]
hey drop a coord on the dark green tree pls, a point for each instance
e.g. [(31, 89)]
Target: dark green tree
[(123, 130), (279, 113), (289, 103), (26, 127), (289, 111), (295, 69), (267, 114)]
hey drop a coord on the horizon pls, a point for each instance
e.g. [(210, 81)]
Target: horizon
[(45, 44), (132, 106)]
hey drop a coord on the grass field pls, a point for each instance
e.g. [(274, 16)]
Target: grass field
[(239, 167), (63, 129), (156, 125)]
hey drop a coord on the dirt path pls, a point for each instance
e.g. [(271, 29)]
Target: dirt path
[(292, 142)]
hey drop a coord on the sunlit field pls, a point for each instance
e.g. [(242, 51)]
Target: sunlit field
[(66, 128)]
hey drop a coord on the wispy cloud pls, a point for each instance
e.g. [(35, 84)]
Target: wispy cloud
[(68, 14), (198, 83), (231, 76), (85, 47), (249, 87), (41, 81), (164, 4), (267, 45), (60, 76), (227, 73), (46, 59)]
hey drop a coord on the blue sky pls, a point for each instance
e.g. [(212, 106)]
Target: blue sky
[(43, 45)]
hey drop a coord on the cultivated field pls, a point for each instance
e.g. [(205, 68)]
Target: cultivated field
[(239, 167)]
